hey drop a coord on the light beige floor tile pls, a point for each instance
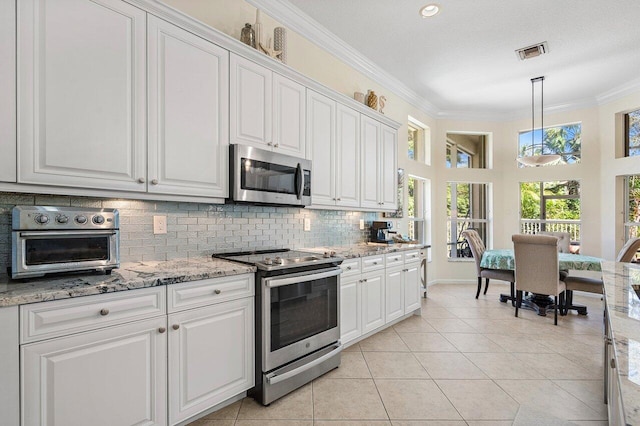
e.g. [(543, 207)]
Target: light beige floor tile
[(213, 422), (554, 400), (385, 341), (449, 325), (353, 348), (479, 399), (296, 405), (590, 392), (522, 343), (556, 366), (347, 399), (414, 324), (449, 365), (484, 325), (415, 400), (230, 412), (428, 423), (394, 365), (481, 313), (351, 423), (352, 366), (590, 423), (427, 342), (490, 423), (436, 312), (503, 366), (467, 342), (274, 423)]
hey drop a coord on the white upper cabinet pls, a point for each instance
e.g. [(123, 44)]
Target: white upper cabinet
[(267, 110), (388, 168), (8, 90), (347, 159), (188, 113), (321, 144), (370, 162), (81, 94)]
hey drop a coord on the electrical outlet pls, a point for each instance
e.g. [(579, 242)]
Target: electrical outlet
[(307, 224), (159, 224), (361, 223)]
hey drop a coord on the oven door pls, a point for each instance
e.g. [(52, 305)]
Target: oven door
[(300, 314), (35, 253)]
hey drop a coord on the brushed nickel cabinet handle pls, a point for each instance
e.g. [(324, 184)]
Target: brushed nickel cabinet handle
[(162, 330), (276, 145), (613, 363), (154, 182), (141, 180), (217, 291), (270, 143), (104, 312), (348, 268), (176, 326)]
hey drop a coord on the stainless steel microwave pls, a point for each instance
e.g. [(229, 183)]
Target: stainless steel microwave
[(260, 176)]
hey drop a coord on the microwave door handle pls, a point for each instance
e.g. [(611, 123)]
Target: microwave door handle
[(299, 181)]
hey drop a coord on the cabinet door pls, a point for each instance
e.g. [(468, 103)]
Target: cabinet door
[(369, 153), (347, 157), (250, 103), (289, 105), (411, 287), (394, 294), (373, 301), (388, 168), (8, 90), (82, 94), (210, 356), (114, 376), (188, 113), (321, 142), (350, 309)]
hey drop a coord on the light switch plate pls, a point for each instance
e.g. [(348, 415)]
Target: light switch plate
[(159, 224), (307, 224)]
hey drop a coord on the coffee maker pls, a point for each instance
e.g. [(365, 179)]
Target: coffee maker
[(380, 231)]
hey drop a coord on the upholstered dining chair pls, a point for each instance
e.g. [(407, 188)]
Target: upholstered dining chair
[(564, 240), (477, 250), (594, 285), (537, 269)]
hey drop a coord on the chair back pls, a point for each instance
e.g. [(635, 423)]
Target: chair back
[(537, 267), (629, 250), (476, 245), (564, 240)]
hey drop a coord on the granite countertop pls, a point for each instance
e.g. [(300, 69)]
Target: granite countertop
[(128, 277), (623, 306), (367, 249)]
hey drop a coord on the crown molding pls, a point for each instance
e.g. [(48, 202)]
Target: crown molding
[(303, 24), (619, 92)]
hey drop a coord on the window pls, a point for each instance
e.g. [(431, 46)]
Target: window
[(417, 203), (564, 140), (417, 139), (632, 208), (468, 150), (632, 133), (466, 208), (551, 207)]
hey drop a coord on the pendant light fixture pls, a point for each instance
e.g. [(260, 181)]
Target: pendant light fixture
[(536, 156)]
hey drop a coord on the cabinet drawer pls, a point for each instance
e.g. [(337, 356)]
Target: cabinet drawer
[(393, 259), (58, 318), (372, 263), (412, 256), (206, 292), (350, 267)]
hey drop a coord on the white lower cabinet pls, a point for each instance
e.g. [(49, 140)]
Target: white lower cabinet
[(394, 294), (373, 300), (211, 356), (412, 287), (350, 308), (112, 376)]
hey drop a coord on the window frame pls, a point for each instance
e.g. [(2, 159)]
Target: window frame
[(627, 139), (453, 230)]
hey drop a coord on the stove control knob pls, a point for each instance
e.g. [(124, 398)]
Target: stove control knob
[(268, 261), (42, 219), (62, 219), (332, 254), (278, 260), (98, 219), (81, 219), (326, 254)]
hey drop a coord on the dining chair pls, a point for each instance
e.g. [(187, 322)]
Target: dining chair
[(477, 250), (595, 285), (537, 270), (564, 240)]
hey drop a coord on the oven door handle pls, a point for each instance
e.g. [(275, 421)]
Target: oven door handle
[(66, 233), (277, 378), (279, 282)]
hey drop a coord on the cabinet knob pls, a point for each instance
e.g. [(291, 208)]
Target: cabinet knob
[(375, 263), (176, 326), (348, 268), (365, 280), (217, 291), (270, 143), (162, 330), (154, 182), (613, 363), (338, 199), (276, 145), (104, 312), (141, 180)]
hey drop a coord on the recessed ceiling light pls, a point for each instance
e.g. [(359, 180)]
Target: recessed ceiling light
[(429, 10)]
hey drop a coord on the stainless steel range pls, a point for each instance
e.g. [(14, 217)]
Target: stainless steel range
[(297, 318)]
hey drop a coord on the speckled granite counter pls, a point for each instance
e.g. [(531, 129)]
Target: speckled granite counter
[(623, 306), (367, 249), (128, 277)]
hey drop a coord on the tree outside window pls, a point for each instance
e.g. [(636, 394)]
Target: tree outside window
[(467, 207), (565, 140), (632, 133), (417, 201), (632, 207)]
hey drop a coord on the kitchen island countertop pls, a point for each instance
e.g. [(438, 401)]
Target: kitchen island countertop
[(129, 276), (366, 249)]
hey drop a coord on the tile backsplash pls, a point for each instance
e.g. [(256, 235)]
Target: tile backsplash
[(195, 229)]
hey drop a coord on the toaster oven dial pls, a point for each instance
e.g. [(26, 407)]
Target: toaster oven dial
[(62, 219), (42, 219), (81, 219), (98, 219)]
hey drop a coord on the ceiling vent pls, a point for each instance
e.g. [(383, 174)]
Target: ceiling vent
[(532, 51)]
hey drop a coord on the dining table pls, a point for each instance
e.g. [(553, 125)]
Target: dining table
[(505, 259)]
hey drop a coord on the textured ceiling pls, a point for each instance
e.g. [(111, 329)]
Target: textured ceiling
[(463, 60)]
